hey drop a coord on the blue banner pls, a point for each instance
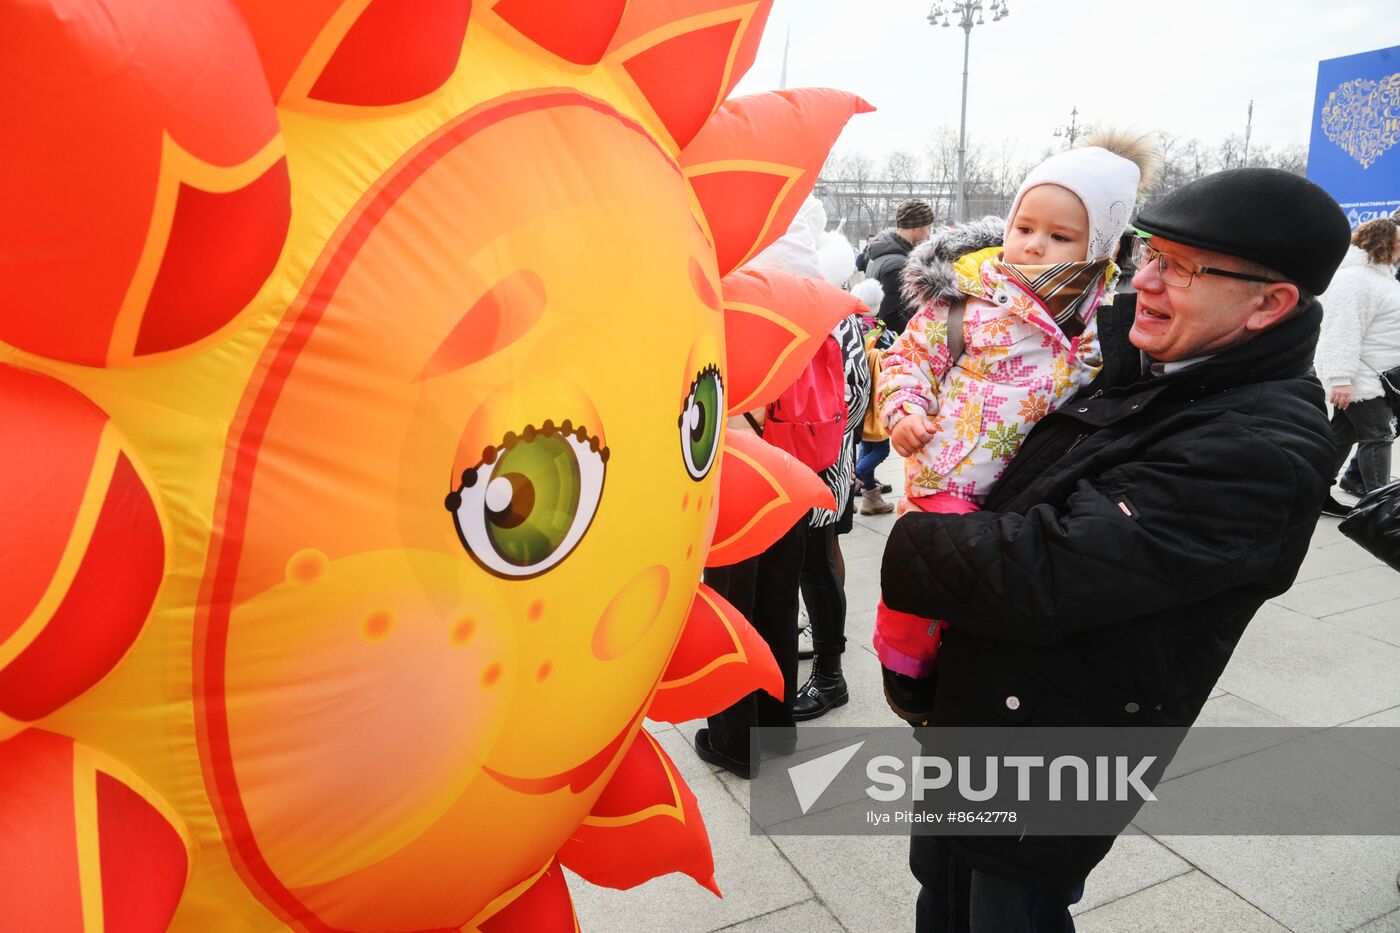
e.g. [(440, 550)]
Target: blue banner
[(1355, 148)]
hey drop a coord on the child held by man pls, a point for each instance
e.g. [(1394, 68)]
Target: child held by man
[(1006, 331)]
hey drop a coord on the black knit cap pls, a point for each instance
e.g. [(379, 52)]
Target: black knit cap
[(1265, 215), (913, 214)]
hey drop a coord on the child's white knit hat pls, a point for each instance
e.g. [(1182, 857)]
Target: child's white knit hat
[(870, 293), (1106, 184)]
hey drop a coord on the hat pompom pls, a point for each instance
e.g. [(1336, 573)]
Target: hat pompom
[(1138, 148)]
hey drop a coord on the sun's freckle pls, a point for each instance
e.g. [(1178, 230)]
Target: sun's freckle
[(689, 549), (491, 674), (307, 566), (463, 630), (535, 611), (685, 501), (377, 625), (544, 671)]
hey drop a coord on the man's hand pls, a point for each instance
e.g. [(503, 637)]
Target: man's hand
[(911, 434), (1341, 396)]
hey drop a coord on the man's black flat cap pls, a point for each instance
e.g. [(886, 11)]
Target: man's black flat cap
[(1264, 215)]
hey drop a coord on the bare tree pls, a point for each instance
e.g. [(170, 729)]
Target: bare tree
[(982, 169), (853, 172), (1230, 152), (1291, 158), (867, 196), (902, 166), (1183, 161)]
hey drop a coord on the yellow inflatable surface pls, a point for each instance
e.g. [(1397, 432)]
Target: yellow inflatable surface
[(363, 376)]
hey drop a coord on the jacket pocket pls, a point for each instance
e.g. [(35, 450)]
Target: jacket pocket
[(983, 687)]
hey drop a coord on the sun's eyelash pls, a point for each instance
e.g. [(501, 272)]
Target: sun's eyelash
[(710, 370), (546, 429)]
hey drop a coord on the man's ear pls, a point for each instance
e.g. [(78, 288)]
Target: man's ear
[(1272, 303)]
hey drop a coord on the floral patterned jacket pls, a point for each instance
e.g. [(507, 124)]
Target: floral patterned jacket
[(1017, 367)]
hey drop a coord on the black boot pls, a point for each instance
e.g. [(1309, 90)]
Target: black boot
[(824, 690), (1330, 506)]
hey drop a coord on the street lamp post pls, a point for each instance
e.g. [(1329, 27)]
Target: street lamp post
[(1073, 130), (962, 12)]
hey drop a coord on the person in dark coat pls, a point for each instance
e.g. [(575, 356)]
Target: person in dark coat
[(889, 251), (1140, 526)]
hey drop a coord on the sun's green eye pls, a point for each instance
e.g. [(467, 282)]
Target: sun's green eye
[(530, 501), (700, 422)]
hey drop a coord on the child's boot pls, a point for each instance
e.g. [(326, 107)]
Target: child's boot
[(872, 503)]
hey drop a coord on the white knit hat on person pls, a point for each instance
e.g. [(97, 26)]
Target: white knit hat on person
[(869, 292), (795, 252), (1106, 184)]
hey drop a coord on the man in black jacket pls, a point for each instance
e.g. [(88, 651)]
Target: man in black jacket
[(1140, 527), (887, 254)]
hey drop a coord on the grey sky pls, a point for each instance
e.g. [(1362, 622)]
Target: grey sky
[(1187, 67)]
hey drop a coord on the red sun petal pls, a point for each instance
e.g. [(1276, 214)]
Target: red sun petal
[(104, 610), (773, 323), (787, 133), (103, 85), (397, 51), (545, 905), (682, 78), (645, 824), (39, 860), (192, 297), (720, 659), (736, 230), (762, 493), (143, 859), (576, 32), (49, 435), (644, 18)]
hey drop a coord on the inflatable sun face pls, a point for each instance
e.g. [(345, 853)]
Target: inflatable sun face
[(365, 492)]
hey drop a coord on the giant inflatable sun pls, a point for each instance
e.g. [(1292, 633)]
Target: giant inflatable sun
[(363, 375)]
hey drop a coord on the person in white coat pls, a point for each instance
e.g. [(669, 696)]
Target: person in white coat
[(1360, 340)]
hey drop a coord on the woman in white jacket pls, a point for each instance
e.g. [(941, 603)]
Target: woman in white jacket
[(1360, 340)]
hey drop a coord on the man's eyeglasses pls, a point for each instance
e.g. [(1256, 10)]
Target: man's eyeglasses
[(1178, 272)]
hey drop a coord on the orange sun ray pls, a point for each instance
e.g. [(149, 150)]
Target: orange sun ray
[(541, 902), (713, 42), (773, 323), (646, 823), (720, 659), (579, 33), (757, 158), (762, 492)]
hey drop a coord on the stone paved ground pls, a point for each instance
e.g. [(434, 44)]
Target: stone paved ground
[(1326, 652)]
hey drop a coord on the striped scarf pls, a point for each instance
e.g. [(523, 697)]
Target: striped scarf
[(1064, 288)]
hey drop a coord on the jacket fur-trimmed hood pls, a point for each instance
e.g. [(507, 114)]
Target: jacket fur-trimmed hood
[(928, 275)]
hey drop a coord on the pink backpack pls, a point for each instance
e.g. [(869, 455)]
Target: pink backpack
[(809, 419)]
